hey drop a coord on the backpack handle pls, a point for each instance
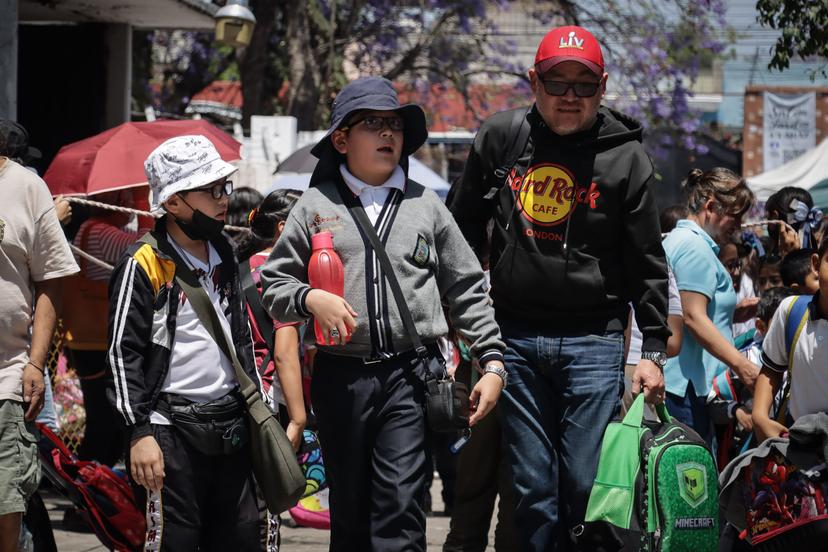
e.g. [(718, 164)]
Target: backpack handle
[(635, 415)]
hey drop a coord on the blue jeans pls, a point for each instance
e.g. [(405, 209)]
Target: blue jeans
[(562, 393), (691, 410)]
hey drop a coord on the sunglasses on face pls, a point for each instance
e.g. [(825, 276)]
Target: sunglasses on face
[(217, 190), (375, 122), (560, 88)]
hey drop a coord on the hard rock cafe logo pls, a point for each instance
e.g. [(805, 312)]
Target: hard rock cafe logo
[(572, 42), (547, 194)]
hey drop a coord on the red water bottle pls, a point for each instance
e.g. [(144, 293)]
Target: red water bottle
[(325, 272)]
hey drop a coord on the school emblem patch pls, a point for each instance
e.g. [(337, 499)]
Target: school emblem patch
[(421, 251), (692, 478)]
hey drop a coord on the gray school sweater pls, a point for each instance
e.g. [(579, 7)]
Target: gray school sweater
[(431, 259)]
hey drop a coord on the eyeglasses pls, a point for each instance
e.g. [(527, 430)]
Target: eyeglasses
[(375, 122), (560, 88), (217, 190)]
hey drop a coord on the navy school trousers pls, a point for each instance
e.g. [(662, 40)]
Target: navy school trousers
[(372, 429)]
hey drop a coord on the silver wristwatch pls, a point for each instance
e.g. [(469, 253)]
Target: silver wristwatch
[(655, 356), (499, 370)]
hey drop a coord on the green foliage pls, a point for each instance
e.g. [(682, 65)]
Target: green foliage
[(804, 26)]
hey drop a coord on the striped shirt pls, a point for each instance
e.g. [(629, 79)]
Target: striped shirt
[(105, 242)]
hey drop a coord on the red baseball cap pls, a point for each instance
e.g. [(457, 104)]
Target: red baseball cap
[(570, 43)]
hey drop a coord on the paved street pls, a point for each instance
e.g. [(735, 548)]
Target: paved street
[(293, 539)]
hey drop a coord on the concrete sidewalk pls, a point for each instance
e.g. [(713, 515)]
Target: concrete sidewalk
[(299, 539)]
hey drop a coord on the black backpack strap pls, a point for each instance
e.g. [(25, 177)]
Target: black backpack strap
[(519, 130), (254, 300)]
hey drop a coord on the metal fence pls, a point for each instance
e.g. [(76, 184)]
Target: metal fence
[(68, 398)]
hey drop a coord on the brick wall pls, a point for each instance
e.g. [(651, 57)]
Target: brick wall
[(752, 161)]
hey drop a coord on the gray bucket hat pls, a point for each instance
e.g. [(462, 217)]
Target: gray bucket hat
[(374, 94)]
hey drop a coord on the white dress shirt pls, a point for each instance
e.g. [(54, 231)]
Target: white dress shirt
[(373, 197)]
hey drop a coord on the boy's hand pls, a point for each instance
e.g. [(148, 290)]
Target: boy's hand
[(747, 372), (744, 418), (332, 312), (295, 430), (788, 239), (649, 376), (484, 396), (767, 428), (34, 389), (147, 463)]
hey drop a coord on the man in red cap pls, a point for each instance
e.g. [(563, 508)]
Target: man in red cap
[(575, 241)]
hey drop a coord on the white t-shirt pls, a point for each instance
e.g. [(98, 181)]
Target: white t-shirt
[(32, 249), (746, 291), (199, 370), (673, 308), (809, 376)]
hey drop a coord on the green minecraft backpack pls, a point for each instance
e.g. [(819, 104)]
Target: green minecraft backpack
[(656, 489)]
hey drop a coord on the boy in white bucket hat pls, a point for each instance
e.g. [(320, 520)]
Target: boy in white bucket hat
[(193, 475)]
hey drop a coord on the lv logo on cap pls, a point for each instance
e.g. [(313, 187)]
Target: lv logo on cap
[(573, 42)]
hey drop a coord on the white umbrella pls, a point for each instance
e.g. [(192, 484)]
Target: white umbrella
[(417, 171), (806, 171)]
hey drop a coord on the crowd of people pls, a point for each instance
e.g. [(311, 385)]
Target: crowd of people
[(549, 269)]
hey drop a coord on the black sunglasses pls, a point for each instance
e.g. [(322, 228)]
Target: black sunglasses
[(375, 122), (217, 190), (581, 89)]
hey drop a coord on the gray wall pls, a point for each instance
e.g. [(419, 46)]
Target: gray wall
[(8, 59)]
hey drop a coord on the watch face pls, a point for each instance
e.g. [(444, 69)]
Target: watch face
[(657, 357)]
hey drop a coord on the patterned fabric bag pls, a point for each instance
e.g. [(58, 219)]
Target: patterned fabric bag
[(310, 460)]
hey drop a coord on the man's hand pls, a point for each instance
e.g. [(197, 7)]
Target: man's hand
[(147, 463), (332, 312), (33, 390), (649, 376), (294, 432), (747, 372), (484, 395), (64, 210)]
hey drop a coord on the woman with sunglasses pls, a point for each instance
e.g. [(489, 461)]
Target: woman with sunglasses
[(717, 201)]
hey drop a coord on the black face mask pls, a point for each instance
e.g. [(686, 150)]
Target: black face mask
[(201, 227)]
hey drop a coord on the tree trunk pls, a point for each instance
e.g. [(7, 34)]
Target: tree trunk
[(304, 71), (253, 60)]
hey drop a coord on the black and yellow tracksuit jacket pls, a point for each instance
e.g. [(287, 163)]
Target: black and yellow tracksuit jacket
[(143, 302)]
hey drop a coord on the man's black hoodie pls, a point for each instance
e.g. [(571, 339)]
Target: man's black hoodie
[(576, 236)]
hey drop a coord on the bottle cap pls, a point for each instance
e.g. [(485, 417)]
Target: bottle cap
[(322, 240)]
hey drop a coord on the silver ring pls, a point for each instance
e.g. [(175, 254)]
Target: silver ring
[(334, 332)]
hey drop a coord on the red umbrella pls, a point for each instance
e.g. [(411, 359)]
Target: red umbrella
[(114, 159)]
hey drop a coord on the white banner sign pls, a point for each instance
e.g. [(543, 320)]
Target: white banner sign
[(790, 127)]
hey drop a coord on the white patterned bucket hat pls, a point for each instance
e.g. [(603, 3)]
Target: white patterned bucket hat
[(183, 163)]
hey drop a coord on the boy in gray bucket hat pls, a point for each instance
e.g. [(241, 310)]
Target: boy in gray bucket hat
[(367, 392)]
